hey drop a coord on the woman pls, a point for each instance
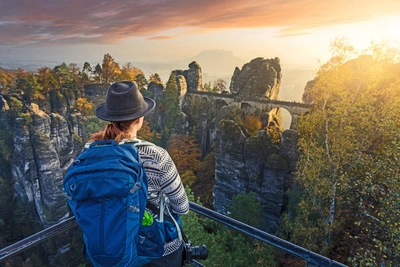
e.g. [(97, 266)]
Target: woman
[(125, 108)]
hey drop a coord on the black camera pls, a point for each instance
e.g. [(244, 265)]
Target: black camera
[(194, 253)]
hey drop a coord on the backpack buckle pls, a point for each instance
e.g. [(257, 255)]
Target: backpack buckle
[(134, 209), (135, 188)]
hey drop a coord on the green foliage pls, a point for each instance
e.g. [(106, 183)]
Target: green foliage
[(141, 81), (28, 84), (62, 75), (226, 247), (95, 125), (20, 212), (247, 209), (347, 169), (46, 77), (6, 141), (171, 102), (207, 87), (26, 116), (98, 73)]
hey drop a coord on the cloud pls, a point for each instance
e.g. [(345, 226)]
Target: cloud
[(70, 22)]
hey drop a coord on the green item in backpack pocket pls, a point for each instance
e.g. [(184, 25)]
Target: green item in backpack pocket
[(147, 219)]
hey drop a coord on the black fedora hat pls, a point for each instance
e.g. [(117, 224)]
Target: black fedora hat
[(124, 102)]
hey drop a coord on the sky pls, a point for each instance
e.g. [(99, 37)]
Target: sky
[(297, 31)]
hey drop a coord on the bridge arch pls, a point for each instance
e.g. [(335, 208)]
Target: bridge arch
[(291, 110), (219, 103)]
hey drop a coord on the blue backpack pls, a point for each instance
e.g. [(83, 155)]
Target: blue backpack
[(106, 188)]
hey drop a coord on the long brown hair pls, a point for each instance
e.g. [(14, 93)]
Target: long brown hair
[(115, 130)]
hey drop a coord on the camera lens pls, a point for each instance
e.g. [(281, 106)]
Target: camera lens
[(199, 252)]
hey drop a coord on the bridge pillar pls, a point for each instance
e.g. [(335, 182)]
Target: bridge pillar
[(295, 118)]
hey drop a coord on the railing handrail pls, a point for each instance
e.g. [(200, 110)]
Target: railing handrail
[(307, 255)]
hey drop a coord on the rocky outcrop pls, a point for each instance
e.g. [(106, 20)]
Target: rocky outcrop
[(36, 167), (260, 78), (194, 77), (182, 84), (156, 118), (43, 150), (3, 104), (307, 92), (253, 164)]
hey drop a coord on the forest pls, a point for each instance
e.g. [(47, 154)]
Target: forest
[(344, 199)]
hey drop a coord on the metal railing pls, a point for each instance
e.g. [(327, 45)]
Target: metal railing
[(312, 259)]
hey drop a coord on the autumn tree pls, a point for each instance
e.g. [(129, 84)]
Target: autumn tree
[(344, 174), (98, 73), (62, 75), (252, 124), (28, 84), (186, 154), (207, 87), (219, 86), (145, 132), (84, 106), (154, 77), (110, 69), (6, 80), (47, 79), (205, 180), (129, 72)]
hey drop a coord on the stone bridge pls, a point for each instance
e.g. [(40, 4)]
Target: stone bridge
[(294, 108)]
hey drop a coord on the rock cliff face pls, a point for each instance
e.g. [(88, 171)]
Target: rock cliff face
[(244, 162), (307, 92), (260, 78), (186, 80), (194, 77), (44, 148), (253, 164)]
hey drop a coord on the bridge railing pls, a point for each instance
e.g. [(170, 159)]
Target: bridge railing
[(312, 259)]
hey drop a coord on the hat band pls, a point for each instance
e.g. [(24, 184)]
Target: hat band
[(125, 112)]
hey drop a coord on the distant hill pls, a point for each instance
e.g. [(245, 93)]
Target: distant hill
[(217, 62)]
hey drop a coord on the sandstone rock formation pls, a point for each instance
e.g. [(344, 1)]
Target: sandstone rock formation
[(40, 149), (253, 164), (244, 162), (307, 92), (194, 77), (260, 78)]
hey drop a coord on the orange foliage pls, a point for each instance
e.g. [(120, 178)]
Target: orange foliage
[(145, 133), (186, 154), (252, 124), (84, 106), (204, 184)]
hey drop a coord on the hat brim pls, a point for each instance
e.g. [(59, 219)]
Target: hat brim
[(101, 112)]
